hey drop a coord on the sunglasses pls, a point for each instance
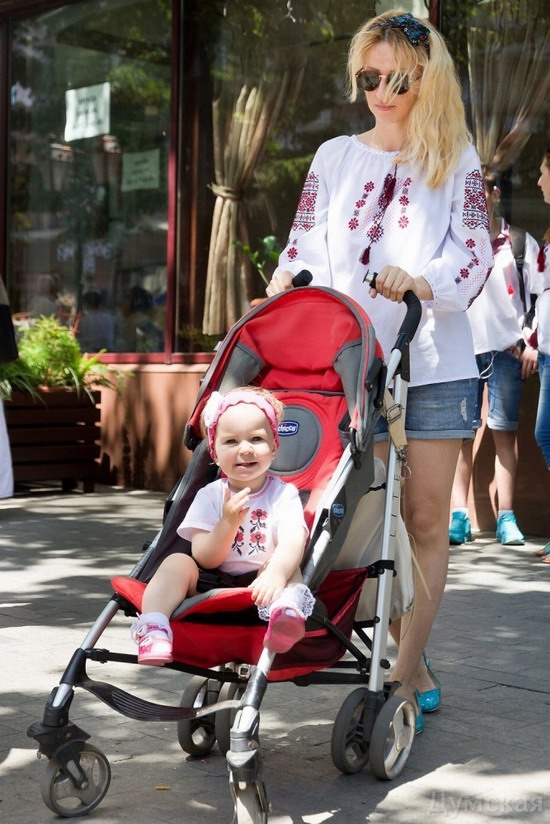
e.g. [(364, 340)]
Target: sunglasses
[(369, 80)]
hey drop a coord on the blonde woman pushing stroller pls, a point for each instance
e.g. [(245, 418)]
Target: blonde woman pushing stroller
[(405, 199), (248, 526)]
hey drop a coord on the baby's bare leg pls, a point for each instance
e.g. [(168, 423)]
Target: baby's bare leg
[(175, 579)]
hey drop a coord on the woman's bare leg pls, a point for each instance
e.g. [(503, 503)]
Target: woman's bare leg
[(426, 504)]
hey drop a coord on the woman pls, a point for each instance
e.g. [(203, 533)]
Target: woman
[(405, 199), (542, 425)]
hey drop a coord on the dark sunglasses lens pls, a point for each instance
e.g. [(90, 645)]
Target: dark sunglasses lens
[(404, 86), (368, 81)]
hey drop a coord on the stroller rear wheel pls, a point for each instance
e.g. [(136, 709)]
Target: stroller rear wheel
[(392, 737), (59, 792), (349, 748), (198, 736)]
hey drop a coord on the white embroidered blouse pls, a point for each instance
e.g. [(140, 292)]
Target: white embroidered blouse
[(543, 301), (496, 316), (347, 206)]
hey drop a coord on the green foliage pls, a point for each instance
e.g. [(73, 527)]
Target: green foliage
[(269, 252), (197, 338), (49, 355)]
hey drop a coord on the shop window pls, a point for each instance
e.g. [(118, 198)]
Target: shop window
[(88, 189), (265, 82), (503, 52)]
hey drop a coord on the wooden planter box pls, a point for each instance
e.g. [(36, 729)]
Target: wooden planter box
[(57, 439)]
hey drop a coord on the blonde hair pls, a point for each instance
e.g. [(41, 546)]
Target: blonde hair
[(437, 133)]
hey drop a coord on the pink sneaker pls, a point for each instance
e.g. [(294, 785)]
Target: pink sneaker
[(286, 627), (154, 644)]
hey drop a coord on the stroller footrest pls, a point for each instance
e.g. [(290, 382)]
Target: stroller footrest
[(140, 710)]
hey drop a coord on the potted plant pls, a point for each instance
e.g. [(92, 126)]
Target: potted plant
[(52, 403)]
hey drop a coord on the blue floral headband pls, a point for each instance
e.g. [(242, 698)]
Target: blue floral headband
[(415, 32)]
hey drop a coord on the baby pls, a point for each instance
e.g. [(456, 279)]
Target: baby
[(248, 524)]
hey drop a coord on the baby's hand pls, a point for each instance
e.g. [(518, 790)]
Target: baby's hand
[(235, 506), (267, 586)]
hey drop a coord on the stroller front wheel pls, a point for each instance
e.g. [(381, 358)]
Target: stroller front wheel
[(59, 791), (392, 738), (349, 747), (248, 807)]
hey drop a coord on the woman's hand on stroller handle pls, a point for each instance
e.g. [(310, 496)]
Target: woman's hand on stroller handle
[(411, 320), (284, 280)]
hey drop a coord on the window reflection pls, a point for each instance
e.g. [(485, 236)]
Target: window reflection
[(89, 135)]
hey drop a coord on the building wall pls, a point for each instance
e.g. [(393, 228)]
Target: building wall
[(142, 430)]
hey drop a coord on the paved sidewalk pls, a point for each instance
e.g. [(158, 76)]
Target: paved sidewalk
[(483, 756)]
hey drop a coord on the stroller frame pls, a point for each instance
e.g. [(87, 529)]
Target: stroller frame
[(374, 726)]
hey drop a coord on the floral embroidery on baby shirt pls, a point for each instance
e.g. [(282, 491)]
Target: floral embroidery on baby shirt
[(474, 214), (258, 525), (238, 543)]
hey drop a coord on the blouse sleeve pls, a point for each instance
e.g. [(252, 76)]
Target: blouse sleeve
[(307, 243), (460, 267)]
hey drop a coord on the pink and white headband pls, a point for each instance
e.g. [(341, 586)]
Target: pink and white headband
[(218, 403)]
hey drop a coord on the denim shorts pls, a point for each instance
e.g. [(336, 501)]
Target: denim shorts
[(438, 410), (501, 371)]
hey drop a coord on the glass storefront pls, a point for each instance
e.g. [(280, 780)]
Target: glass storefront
[(88, 188), (243, 92)]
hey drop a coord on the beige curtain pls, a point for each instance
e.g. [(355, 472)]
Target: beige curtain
[(508, 59), (240, 138)]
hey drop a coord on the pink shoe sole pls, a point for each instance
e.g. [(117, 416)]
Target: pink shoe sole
[(286, 628), (152, 660), (155, 653)]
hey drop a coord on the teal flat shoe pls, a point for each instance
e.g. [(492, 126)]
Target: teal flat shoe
[(430, 700), (460, 529), (419, 726)]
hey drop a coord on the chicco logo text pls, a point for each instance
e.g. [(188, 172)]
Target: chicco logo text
[(287, 428)]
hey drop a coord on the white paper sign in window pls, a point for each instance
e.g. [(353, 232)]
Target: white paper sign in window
[(140, 170), (88, 111)]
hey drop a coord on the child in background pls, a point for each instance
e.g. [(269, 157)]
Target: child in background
[(248, 525)]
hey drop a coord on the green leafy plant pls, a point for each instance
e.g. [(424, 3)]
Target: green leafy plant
[(268, 253), (50, 356)]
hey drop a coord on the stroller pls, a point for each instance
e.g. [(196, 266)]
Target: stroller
[(333, 383)]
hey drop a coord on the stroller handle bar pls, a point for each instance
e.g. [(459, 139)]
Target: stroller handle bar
[(303, 278)]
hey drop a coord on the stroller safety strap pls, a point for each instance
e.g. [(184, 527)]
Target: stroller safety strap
[(393, 412)]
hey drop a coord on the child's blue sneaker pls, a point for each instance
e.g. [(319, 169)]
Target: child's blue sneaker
[(460, 529), (507, 530)]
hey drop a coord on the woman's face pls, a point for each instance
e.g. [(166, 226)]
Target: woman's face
[(381, 59), (544, 181)]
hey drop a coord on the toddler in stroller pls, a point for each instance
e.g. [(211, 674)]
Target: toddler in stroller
[(332, 382), (229, 537)]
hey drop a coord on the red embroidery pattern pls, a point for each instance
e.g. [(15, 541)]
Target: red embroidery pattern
[(258, 524), (474, 214), (238, 543), (305, 213), (404, 201)]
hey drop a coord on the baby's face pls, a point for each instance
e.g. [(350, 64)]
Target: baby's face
[(244, 446)]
